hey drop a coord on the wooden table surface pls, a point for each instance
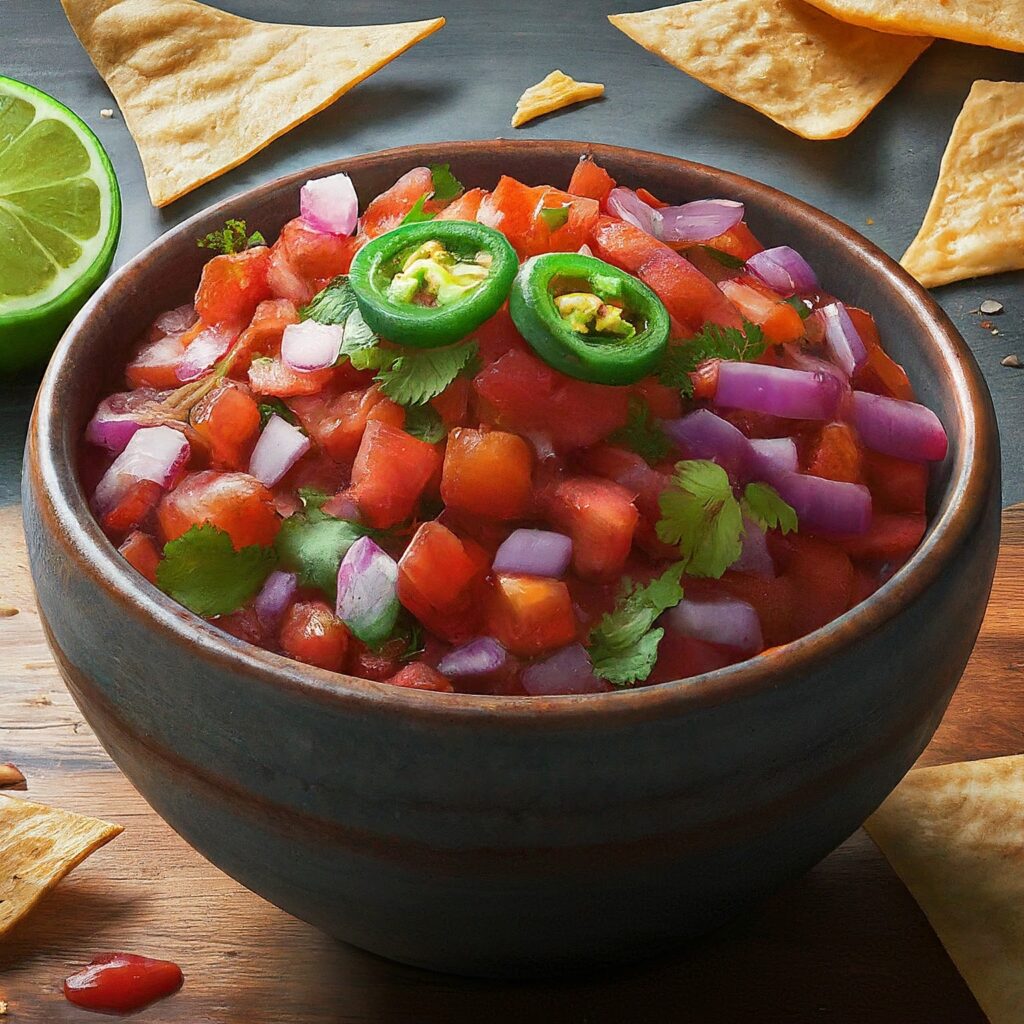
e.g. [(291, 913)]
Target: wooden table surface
[(845, 944)]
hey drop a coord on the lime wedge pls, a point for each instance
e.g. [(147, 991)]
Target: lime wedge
[(60, 218)]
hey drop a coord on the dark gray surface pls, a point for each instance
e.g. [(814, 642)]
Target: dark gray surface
[(462, 83)]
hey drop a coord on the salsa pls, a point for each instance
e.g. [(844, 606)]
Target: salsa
[(528, 440)]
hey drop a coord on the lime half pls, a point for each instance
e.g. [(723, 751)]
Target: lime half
[(60, 218)]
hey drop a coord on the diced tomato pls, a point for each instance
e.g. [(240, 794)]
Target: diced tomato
[(836, 454), (452, 405), (705, 380), (497, 336), (879, 374), (465, 207), (665, 403), (865, 582), (896, 484), (133, 506), (650, 199), (275, 377), (229, 421), (315, 255), (771, 597), (691, 299), (419, 676), (630, 471), (390, 473), (523, 394), (440, 579), (233, 285), (155, 363), (285, 282), (141, 553), (591, 180), (529, 615), (779, 321), (487, 473), (680, 657), (822, 579), (601, 519), (890, 538), (337, 422), (313, 634), (738, 241), (388, 209), (236, 503), (380, 664), (245, 624), (263, 335)]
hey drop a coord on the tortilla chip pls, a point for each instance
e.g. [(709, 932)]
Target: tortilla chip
[(201, 90), (39, 845), (975, 222), (955, 835), (998, 23), (806, 71), (552, 93)]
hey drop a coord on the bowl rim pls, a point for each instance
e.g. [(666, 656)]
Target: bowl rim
[(62, 501)]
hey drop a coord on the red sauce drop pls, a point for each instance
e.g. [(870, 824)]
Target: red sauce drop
[(122, 982)]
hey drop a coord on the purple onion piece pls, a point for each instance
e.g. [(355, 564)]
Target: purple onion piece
[(534, 553), (273, 600), (628, 206), (480, 659), (704, 435), (279, 447), (206, 348), (699, 221), (566, 671), (118, 416), (367, 591), (777, 391), (771, 456), (905, 430), (727, 622), (310, 346), (783, 270), (330, 204), (844, 342), (755, 558), (812, 364), (830, 506), (176, 321), (153, 453)]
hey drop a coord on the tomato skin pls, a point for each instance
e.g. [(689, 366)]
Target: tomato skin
[(601, 519), (388, 209), (285, 282), (497, 336), (896, 484), (664, 403), (590, 180), (391, 471), (311, 633), (263, 335), (836, 455), (880, 374), (236, 503), (229, 421), (315, 255), (135, 504), (529, 615), (487, 473), (233, 285), (419, 676), (337, 422), (779, 321), (890, 538), (155, 363), (822, 579), (141, 553), (275, 377), (122, 982), (465, 207)]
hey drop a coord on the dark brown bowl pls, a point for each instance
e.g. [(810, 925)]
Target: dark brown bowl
[(498, 835)]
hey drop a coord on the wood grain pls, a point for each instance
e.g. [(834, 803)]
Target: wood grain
[(846, 943)]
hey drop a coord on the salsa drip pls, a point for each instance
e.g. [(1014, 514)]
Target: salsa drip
[(122, 983)]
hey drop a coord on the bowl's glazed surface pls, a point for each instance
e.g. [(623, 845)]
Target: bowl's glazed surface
[(498, 835)]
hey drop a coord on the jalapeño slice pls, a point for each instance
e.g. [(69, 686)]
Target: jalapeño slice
[(431, 283), (589, 319)]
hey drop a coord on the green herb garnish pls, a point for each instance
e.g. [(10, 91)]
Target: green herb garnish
[(415, 376), (233, 237), (711, 342), (642, 435)]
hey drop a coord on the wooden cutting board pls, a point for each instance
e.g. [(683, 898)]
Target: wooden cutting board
[(845, 944)]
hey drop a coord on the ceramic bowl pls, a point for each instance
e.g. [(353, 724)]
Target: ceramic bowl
[(498, 835)]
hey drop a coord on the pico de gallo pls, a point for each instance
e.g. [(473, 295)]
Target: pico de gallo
[(527, 440)]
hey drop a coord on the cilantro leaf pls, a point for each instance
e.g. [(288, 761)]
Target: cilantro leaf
[(701, 516), (624, 645), (333, 304), (415, 377), (202, 570), (312, 544), (275, 407), (361, 345), (313, 502), (800, 306), (233, 237), (336, 304), (642, 435), (417, 213), (424, 422), (725, 258), (554, 216), (446, 186), (762, 503), (711, 342)]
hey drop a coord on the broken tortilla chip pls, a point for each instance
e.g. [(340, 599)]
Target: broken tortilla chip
[(202, 90), (552, 93), (998, 23), (955, 835), (814, 75), (39, 845), (975, 221)]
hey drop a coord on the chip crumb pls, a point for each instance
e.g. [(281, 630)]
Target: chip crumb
[(107, 112), (7, 610), (3, 1007), (552, 93), (990, 307), (11, 777), (870, 220), (1012, 360)]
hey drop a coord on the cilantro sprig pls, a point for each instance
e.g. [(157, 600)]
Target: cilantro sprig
[(763, 504), (233, 237), (275, 407), (711, 342), (446, 187), (336, 304), (623, 646), (725, 258), (414, 377), (642, 434)]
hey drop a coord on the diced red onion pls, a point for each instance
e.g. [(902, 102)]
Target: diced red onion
[(585, 250), (330, 204), (784, 270), (279, 447), (755, 558), (828, 505), (566, 671), (309, 346), (842, 338), (153, 453), (477, 659), (342, 506), (367, 591), (176, 321), (703, 435), (205, 349), (118, 416), (725, 621), (627, 205), (905, 430), (771, 456), (273, 600), (699, 221), (776, 391), (534, 553), (812, 364)]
